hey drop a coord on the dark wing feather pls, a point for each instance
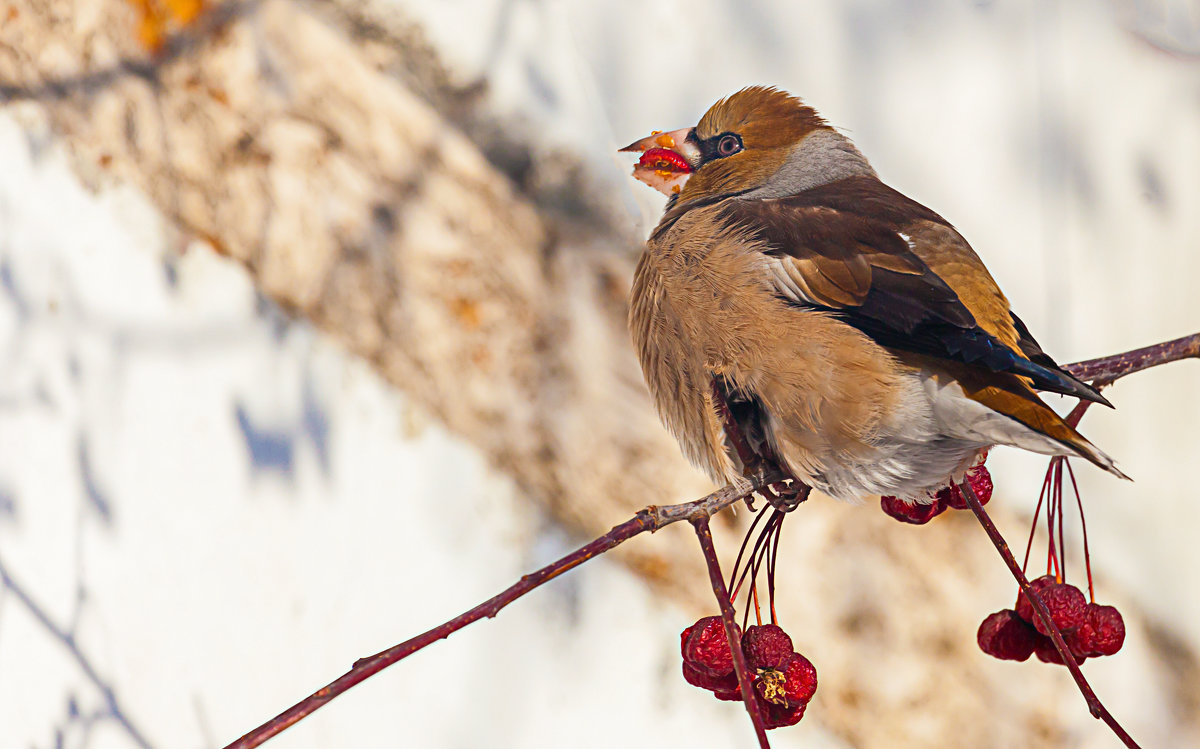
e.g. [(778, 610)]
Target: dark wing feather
[(1030, 347), (848, 256)]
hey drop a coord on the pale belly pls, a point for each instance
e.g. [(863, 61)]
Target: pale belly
[(933, 435)]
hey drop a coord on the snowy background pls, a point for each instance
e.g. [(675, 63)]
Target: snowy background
[(208, 508)]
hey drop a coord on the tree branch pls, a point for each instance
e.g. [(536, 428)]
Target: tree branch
[(1102, 371), (650, 519), (1043, 614), (745, 683), (1109, 369)]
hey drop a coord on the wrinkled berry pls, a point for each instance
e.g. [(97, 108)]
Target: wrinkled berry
[(911, 512), (778, 716), (1024, 607), (766, 646), (1006, 636), (1047, 653), (800, 678), (707, 648), (1067, 606), (723, 687), (980, 479), (981, 483), (951, 497), (1102, 632)]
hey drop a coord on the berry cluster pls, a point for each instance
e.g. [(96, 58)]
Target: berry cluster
[(1090, 630), (784, 680), (948, 497)]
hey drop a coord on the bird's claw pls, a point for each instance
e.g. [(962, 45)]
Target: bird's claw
[(786, 496)]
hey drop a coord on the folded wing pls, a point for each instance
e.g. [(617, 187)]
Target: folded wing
[(872, 256)]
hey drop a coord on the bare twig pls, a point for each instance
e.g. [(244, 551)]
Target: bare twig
[(650, 519), (1043, 614), (1109, 369), (1103, 371), (745, 683)]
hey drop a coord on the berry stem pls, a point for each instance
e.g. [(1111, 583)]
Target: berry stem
[(734, 583), (1087, 554), (1051, 510), (771, 560), (700, 523), (1043, 614), (1037, 512), (752, 564), (1061, 511)]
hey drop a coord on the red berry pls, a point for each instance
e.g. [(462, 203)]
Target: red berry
[(766, 646), (1082, 641), (981, 483), (1047, 653), (1024, 607), (980, 479), (794, 683), (723, 687), (800, 679), (951, 497), (1006, 636), (911, 512), (778, 716), (1067, 605), (1102, 632), (707, 648), (683, 638)]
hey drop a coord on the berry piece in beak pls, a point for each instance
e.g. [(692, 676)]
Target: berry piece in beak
[(668, 159), (662, 159)]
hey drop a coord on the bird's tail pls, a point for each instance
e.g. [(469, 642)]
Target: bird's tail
[(1021, 403)]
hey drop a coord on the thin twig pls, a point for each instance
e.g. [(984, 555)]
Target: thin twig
[(745, 684), (650, 519), (1043, 614), (1102, 371), (1108, 369)]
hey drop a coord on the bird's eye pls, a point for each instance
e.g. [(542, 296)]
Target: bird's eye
[(728, 145)]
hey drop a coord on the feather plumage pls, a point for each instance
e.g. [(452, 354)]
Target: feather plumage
[(861, 340)]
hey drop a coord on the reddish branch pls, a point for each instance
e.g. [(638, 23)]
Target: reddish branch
[(1109, 369), (1102, 371), (745, 682), (650, 519), (1043, 614)]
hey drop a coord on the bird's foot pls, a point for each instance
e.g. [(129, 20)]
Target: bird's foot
[(786, 496)]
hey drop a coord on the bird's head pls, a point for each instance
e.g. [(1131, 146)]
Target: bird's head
[(759, 140)]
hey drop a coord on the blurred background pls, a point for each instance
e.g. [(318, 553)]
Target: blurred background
[(312, 333)]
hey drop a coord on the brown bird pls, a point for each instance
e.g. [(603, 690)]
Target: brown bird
[(850, 333)]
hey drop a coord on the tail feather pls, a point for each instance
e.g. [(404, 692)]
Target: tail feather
[(1020, 403), (1058, 381)]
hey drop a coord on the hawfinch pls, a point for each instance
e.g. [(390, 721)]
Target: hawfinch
[(848, 333)]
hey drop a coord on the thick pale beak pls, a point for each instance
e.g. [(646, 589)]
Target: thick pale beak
[(668, 159)]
